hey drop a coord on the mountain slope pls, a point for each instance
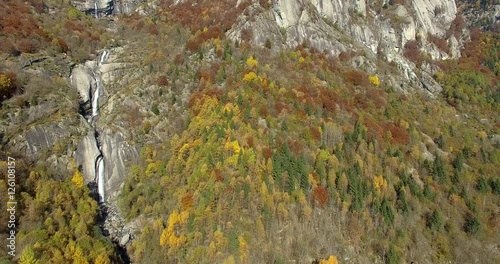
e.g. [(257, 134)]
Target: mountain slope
[(251, 131)]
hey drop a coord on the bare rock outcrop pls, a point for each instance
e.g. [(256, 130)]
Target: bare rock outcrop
[(85, 156), (100, 8), (118, 153), (377, 29), (95, 7)]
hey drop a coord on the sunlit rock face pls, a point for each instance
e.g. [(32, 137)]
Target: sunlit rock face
[(95, 7), (377, 28), (100, 8)]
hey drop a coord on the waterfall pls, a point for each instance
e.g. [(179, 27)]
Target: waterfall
[(95, 96), (100, 177), (99, 171), (95, 102), (95, 9), (90, 84), (104, 57)]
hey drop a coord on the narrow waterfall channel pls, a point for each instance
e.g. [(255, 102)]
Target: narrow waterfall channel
[(92, 91), (99, 162), (96, 172), (100, 177), (95, 156), (95, 9)]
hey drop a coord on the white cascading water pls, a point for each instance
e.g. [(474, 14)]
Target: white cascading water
[(95, 97), (100, 178), (99, 162), (95, 9), (104, 57)]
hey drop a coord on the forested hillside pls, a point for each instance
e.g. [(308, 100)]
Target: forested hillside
[(294, 156), (249, 153)]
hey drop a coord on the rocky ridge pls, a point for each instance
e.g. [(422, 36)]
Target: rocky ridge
[(376, 29), (485, 17)]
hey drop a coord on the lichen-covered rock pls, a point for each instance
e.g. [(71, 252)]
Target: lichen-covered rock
[(110, 71), (430, 84)]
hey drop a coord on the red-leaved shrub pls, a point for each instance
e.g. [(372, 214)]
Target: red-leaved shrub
[(320, 196)]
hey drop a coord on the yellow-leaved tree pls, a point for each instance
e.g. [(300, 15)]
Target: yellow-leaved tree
[(250, 77), (7, 86), (102, 259), (252, 62), (168, 236), (234, 146), (4, 81), (28, 256), (379, 183), (330, 260), (78, 179), (78, 256), (374, 80), (243, 250)]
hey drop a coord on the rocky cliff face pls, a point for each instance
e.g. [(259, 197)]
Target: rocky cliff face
[(50, 129), (485, 16), (106, 7), (118, 154), (61, 129), (95, 7), (373, 27), (108, 138)]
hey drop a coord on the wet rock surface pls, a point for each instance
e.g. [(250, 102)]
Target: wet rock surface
[(103, 154)]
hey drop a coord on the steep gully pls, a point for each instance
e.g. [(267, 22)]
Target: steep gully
[(90, 110), (98, 186)]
